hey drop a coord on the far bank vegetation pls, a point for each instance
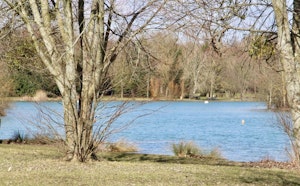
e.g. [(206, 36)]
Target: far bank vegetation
[(161, 68), (5, 87)]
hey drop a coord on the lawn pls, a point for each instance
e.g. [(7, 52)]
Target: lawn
[(43, 165)]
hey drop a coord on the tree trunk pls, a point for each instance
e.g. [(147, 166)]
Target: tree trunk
[(270, 102), (84, 136), (289, 57), (212, 85), (148, 86), (294, 82), (182, 87), (70, 125), (284, 102), (79, 141)]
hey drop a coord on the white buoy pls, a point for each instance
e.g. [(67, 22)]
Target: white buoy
[(243, 122), (205, 102)]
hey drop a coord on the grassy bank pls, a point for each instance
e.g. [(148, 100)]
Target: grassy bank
[(42, 165)]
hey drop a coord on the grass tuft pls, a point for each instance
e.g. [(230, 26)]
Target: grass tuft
[(186, 149), (121, 146), (190, 149), (19, 137), (215, 153), (44, 140)]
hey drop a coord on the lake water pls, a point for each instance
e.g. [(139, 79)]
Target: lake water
[(213, 125)]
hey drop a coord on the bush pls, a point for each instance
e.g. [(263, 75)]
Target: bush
[(186, 149), (19, 137), (215, 153), (121, 146), (190, 149), (43, 139), (40, 139)]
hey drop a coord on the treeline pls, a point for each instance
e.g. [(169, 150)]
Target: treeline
[(162, 66)]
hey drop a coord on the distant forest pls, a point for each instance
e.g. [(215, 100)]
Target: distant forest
[(164, 66)]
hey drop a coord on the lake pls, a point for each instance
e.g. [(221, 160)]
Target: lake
[(213, 125)]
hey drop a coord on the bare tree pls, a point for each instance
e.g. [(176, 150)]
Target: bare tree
[(72, 39), (272, 17), (130, 73), (194, 68), (289, 51)]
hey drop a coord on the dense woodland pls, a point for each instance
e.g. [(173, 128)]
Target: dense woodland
[(163, 66)]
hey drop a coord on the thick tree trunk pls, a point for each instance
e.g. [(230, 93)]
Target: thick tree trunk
[(84, 139), (284, 102), (78, 125), (270, 102), (80, 78), (212, 86), (70, 125), (289, 56), (295, 82)]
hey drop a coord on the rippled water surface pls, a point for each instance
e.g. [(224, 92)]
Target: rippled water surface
[(213, 125)]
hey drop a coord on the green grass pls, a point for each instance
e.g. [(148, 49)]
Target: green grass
[(43, 165)]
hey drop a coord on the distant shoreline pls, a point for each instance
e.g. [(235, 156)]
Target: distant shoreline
[(112, 98)]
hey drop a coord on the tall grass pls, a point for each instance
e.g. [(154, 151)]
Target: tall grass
[(190, 149), (120, 146), (19, 137), (185, 149)]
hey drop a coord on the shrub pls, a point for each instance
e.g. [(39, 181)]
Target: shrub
[(44, 139), (186, 149), (121, 146), (215, 153), (19, 137), (190, 149)]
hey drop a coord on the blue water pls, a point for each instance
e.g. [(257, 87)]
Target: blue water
[(212, 125)]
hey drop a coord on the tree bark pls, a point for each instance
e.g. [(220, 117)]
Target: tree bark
[(289, 52)]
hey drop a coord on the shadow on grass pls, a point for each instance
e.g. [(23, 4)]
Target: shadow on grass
[(268, 177), (135, 157), (238, 171)]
